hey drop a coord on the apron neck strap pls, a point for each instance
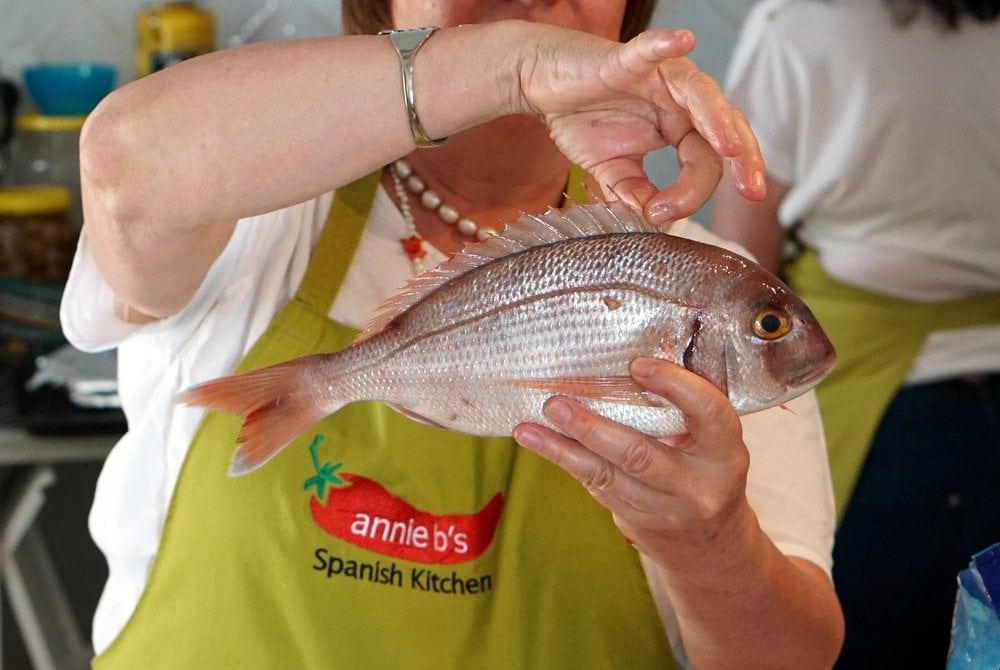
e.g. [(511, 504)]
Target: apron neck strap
[(576, 186), (342, 231)]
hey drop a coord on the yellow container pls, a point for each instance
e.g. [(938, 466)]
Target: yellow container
[(37, 240), (170, 32), (45, 150)]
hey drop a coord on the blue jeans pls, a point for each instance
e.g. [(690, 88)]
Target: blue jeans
[(928, 497)]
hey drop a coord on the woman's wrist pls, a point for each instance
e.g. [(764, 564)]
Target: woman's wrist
[(472, 74), (698, 556)]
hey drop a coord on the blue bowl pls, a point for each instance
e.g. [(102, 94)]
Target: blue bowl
[(68, 89)]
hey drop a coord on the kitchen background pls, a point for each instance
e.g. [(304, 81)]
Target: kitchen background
[(33, 31)]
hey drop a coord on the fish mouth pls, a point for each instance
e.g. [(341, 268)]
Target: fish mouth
[(815, 375)]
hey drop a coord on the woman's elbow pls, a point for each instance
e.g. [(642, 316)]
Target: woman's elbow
[(109, 169)]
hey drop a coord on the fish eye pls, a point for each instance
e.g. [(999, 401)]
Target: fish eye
[(771, 324)]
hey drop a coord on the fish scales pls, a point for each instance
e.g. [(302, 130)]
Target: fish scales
[(557, 304), (552, 306), (561, 305)]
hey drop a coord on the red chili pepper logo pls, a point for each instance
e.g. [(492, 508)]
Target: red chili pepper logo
[(367, 515)]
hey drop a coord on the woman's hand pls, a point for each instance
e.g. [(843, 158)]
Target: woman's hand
[(608, 105), (672, 497), (740, 602)]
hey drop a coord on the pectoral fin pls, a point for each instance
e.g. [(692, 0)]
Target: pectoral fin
[(620, 389)]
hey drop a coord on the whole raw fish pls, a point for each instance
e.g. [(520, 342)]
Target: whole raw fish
[(559, 303)]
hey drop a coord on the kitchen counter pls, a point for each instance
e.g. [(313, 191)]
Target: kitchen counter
[(19, 447)]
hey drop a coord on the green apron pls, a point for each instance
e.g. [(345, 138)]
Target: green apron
[(877, 339), (377, 542)]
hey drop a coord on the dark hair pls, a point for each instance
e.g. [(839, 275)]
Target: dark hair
[(366, 17), (951, 12)]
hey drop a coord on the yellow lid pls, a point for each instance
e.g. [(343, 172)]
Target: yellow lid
[(34, 200), (178, 26), (40, 123)]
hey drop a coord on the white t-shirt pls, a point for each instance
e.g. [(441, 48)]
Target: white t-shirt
[(789, 483), (889, 138)]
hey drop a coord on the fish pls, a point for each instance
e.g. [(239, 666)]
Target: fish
[(557, 303)]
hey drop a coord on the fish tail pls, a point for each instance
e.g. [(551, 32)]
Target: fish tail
[(276, 402)]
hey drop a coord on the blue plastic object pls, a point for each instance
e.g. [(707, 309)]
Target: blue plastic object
[(68, 89), (975, 637)]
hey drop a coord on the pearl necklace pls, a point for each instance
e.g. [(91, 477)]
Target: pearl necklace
[(413, 245)]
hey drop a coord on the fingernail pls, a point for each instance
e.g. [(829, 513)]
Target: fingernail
[(681, 34), (640, 196), (558, 410), (643, 367), (528, 437), (757, 179), (661, 213)]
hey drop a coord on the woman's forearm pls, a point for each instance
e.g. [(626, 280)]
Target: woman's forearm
[(171, 161), (276, 123), (744, 604)]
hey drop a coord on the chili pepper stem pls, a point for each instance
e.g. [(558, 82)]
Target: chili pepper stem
[(324, 473)]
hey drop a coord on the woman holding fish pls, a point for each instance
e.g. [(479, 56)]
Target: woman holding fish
[(374, 540)]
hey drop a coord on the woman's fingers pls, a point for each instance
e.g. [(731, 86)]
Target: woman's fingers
[(654, 487), (647, 50), (701, 170), (719, 122), (608, 107), (621, 468), (714, 428), (694, 116)]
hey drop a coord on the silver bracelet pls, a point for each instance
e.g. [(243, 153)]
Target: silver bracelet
[(407, 43)]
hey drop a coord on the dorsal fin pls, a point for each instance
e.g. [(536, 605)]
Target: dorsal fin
[(527, 231)]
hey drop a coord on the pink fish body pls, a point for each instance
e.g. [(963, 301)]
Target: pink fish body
[(557, 304)]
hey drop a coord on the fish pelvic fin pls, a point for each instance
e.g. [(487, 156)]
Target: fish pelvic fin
[(420, 418), (275, 403), (527, 231), (618, 389)]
